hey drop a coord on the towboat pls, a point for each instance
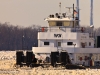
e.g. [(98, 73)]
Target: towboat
[(64, 33)]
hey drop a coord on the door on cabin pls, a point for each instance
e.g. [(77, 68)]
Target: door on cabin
[(59, 44)]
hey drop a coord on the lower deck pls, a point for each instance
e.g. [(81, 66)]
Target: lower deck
[(81, 56), (69, 50)]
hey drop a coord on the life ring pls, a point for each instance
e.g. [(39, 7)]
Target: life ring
[(42, 29)]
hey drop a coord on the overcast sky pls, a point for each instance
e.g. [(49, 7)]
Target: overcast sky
[(28, 12)]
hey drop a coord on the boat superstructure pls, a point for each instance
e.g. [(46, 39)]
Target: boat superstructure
[(65, 34)]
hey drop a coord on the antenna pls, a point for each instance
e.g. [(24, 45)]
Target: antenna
[(60, 8), (69, 11), (73, 15)]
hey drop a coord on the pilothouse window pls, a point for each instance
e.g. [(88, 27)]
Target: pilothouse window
[(62, 23), (46, 43), (59, 23), (66, 23), (52, 23)]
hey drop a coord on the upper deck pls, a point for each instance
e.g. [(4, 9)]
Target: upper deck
[(62, 20)]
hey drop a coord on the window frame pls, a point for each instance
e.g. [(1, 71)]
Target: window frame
[(70, 43), (59, 22), (59, 44), (45, 43), (89, 43)]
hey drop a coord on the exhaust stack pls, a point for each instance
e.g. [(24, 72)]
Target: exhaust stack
[(91, 14), (77, 3)]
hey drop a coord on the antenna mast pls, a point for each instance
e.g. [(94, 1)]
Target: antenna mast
[(73, 16), (60, 8)]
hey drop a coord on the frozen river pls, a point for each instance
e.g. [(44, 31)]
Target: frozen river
[(7, 62)]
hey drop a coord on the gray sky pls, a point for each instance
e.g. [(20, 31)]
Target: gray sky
[(28, 12)]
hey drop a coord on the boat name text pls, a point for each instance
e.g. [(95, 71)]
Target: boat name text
[(57, 35)]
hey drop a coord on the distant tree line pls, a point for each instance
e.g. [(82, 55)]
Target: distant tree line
[(17, 38), (21, 38)]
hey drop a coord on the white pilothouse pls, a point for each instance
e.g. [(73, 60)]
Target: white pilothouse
[(65, 34)]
